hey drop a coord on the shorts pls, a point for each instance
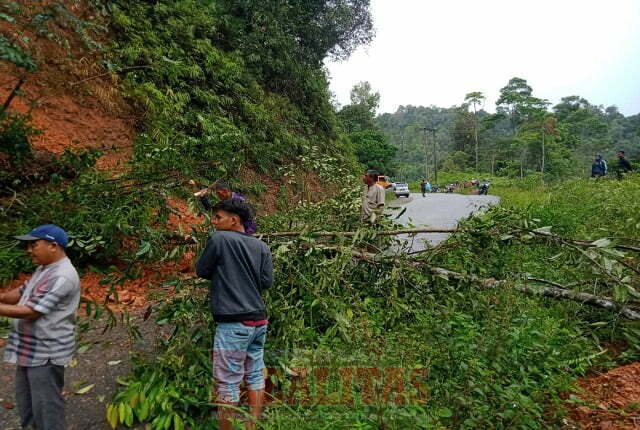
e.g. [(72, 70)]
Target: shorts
[(238, 353)]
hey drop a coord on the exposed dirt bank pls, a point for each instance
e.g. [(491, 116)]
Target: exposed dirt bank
[(612, 400)]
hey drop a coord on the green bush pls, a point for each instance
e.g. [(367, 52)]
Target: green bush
[(15, 135), (495, 357)]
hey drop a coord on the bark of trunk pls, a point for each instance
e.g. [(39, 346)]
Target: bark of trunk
[(542, 166), (13, 94), (550, 291), (353, 233)]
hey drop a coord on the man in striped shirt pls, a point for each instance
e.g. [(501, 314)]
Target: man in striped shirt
[(42, 339)]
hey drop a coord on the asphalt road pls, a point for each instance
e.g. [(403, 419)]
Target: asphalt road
[(438, 210)]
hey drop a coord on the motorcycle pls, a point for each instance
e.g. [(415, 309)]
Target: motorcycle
[(484, 188)]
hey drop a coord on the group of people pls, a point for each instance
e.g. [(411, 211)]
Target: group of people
[(600, 169), (237, 264)]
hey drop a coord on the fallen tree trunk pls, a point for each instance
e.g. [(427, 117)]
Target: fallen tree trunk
[(554, 291), (353, 233), (585, 243)]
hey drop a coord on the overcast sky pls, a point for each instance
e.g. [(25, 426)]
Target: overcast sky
[(429, 52)]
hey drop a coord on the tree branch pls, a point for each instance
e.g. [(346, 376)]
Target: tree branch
[(13, 94), (585, 243), (555, 291), (352, 233)]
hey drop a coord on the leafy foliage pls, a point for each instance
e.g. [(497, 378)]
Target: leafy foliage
[(210, 107), (15, 132), (210, 87), (358, 119), (47, 20), (493, 355), (572, 133)]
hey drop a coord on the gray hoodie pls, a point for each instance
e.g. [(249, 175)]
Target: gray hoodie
[(239, 267)]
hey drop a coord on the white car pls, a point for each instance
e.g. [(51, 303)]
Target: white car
[(402, 189)]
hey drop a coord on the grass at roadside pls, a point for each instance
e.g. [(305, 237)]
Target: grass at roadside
[(390, 195)]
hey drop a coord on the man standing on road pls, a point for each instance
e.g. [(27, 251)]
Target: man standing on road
[(372, 198), (42, 339), (423, 187), (239, 267), (623, 164), (427, 187), (223, 192)]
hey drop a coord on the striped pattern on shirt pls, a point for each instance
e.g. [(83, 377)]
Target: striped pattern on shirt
[(53, 291)]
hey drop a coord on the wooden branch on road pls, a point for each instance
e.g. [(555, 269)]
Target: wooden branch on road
[(584, 243), (555, 290), (353, 233)]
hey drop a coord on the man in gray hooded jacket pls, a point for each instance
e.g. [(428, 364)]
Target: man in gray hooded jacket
[(239, 267)]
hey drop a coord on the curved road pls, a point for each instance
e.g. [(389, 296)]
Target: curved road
[(438, 210)]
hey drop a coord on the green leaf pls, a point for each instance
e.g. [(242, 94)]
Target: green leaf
[(144, 248), (86, 389), (112, 416), (122, 412), (143, 410), (178, 424), (601, 243), (5, 17), (128, 419), (84, 348), (444, 413)]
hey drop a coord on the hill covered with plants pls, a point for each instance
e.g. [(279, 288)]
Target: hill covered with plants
[(209, 90), (492, 327)]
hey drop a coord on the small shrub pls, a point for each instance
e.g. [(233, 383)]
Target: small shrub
[(15, 135)]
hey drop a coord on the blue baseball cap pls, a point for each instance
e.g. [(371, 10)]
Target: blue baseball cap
[(49, 232)]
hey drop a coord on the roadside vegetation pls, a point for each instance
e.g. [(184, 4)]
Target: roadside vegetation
[(237, 91), (493, 355)]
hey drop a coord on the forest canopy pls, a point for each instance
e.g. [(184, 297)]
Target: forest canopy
[(510, 141)]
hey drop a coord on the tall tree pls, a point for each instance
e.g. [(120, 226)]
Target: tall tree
[(474, 99), (548, 129), (516, 100), (360, 114), (358, 120)]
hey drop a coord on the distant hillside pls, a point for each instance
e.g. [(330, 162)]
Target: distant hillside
[(510, 142)]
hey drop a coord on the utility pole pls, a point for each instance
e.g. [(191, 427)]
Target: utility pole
[(403, 154), (435, 153), (542, 166), (426, 158)]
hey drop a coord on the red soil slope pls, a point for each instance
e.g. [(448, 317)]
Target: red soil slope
[(614, 398), (73, 121), (71, 98)]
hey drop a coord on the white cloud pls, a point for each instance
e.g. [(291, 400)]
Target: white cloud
[(434, 52)]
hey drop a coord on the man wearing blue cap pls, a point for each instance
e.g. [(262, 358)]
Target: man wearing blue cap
[(42, 339)]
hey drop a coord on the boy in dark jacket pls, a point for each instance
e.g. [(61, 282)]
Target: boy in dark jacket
[(239, 267)]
